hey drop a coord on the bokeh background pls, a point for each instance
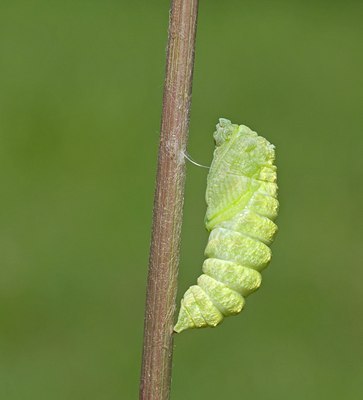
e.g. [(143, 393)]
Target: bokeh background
[(80, 101)]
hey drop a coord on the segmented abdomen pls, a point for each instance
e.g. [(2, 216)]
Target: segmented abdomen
[(237, 251)]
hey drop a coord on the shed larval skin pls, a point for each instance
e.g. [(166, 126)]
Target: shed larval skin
[(242, 205)]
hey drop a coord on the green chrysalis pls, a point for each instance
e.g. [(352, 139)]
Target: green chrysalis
[(242, 205)]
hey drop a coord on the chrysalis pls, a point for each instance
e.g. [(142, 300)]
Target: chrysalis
[(242, 205)]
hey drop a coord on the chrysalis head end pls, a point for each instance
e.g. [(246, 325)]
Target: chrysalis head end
[(224, 130)]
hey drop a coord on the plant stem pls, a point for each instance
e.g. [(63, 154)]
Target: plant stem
[(168, 204)]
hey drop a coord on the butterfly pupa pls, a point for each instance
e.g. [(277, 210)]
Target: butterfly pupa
[(242, 205)]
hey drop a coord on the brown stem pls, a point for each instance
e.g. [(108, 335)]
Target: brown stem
[(168, 204)]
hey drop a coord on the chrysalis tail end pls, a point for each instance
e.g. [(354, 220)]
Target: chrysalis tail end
[(184, 320)]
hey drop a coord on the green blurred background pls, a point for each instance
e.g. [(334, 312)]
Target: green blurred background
[(80, 102)]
